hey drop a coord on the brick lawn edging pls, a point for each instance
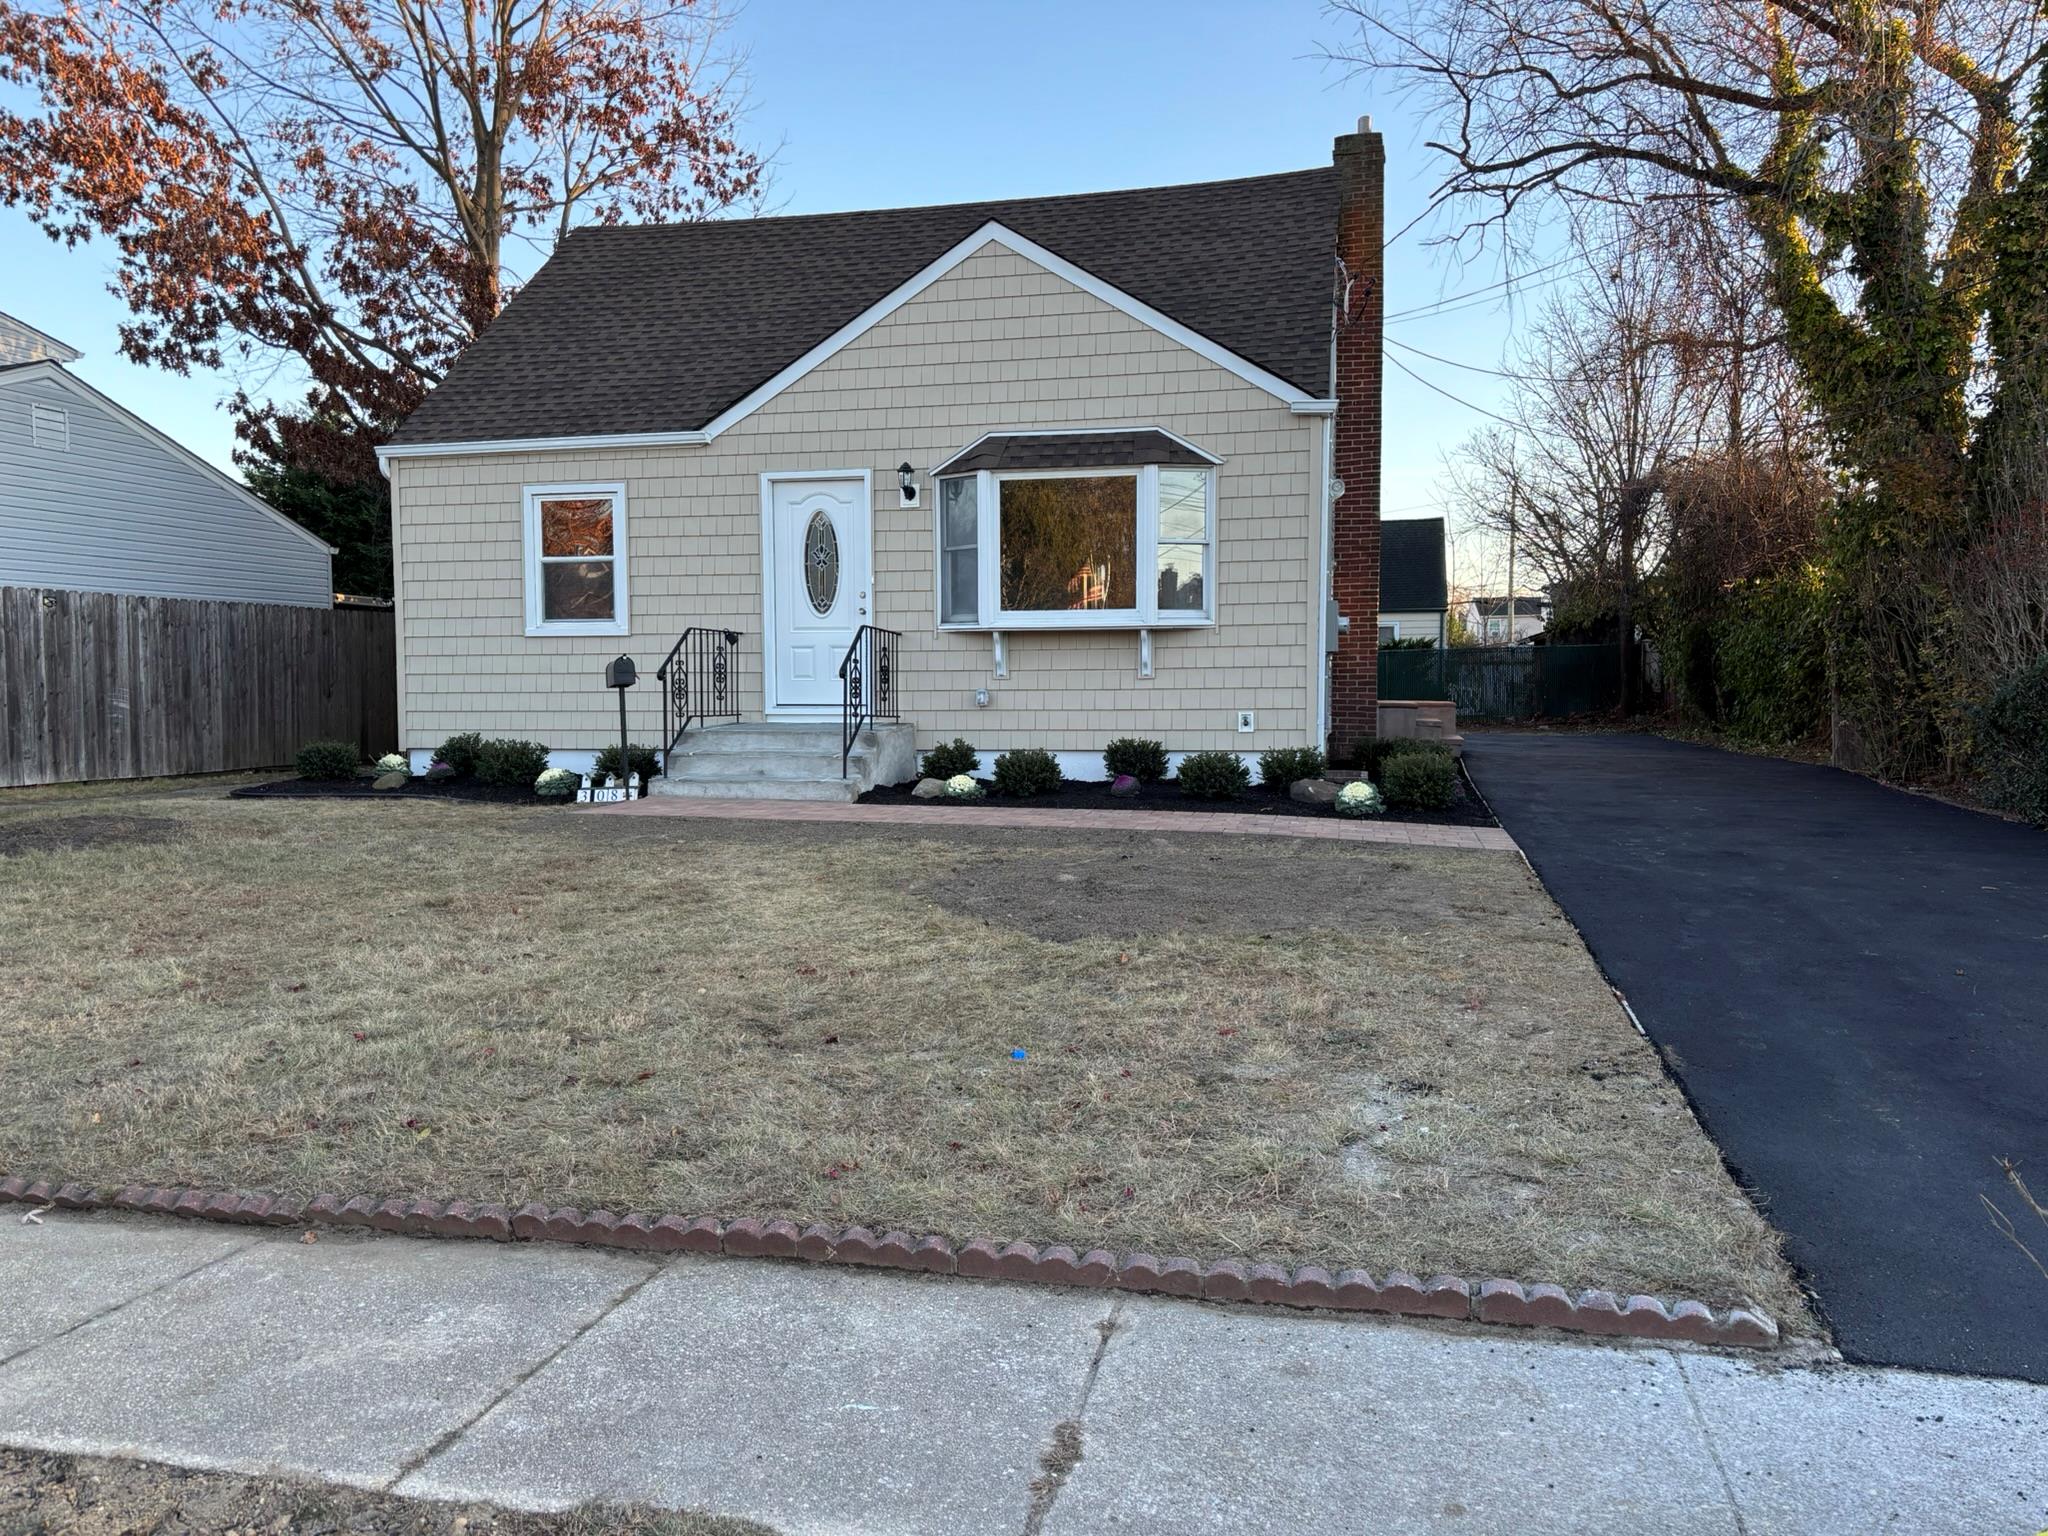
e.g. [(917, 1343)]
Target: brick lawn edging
[(1306, 1285)]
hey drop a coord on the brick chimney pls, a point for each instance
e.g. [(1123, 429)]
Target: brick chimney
[(1361, 162)]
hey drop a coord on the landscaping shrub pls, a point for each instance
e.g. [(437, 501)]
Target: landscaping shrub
[(1375, 752), (1143, 760), (556, 784), (965, 787), (328, 760), (459, 753), (1027, 771), (2012, 744), (950, 759), (639, 759), (507, 763), (1282, 766), (1213, 775), (1418, 781)]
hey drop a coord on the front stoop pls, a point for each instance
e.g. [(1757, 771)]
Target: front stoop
[(785, 760)]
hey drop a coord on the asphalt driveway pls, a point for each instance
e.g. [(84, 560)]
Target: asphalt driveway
[(1852, 984)]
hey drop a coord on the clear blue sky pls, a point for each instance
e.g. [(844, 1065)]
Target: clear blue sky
[(922, 102)]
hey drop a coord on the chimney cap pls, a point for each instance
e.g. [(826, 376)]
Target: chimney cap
[(1365, 123)]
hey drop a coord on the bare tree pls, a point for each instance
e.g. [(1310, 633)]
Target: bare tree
[(1886, 161), (1603, 404)]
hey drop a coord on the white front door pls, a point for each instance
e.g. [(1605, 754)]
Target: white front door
[(817, 583)]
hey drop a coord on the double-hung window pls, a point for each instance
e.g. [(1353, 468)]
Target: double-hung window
[(576, 560), (1077, 546)]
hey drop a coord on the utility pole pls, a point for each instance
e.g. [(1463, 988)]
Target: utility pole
[(1514, 493)]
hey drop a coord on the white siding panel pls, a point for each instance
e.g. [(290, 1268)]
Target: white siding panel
[(119, 512)]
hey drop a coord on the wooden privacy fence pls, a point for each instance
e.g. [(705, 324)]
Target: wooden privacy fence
[(101, 685)]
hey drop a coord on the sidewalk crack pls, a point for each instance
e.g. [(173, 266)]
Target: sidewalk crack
[(127, 1301), (1059, 1459), (1699, 1415), (520, 1379)]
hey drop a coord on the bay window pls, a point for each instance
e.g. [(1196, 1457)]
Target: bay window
[(959, 571), (1082, 548)]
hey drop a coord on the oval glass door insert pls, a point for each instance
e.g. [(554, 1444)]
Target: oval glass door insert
[(821, 562)]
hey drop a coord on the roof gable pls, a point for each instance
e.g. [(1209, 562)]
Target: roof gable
[(663, 332), (21, 342), (50, 372)]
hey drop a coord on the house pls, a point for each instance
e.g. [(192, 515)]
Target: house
[(1036, 473), (1414, 598), (1487, 619), (95, 499)]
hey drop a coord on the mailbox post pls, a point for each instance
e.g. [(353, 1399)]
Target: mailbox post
[(620, 675)]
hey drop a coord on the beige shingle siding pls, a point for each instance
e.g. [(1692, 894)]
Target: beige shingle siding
[(999, 343)]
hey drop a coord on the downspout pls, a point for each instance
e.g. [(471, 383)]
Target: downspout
[(1326, 595)]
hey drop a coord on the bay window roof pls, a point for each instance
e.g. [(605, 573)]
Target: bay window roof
[(1116, 449)]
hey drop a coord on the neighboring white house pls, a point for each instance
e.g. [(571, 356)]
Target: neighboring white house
[(1414, 601), (1486, 618), (1037, 473), (94, 499)]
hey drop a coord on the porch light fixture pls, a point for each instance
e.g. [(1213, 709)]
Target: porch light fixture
[(906, 479)]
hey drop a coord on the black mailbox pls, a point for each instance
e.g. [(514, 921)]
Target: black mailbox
[(620, 673)]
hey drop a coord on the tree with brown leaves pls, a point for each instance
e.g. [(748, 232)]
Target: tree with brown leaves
[(326, 196)]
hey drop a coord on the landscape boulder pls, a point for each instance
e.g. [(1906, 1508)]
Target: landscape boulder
[(1313, 791), (929, 789)]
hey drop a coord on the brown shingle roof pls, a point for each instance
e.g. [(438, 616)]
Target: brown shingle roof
[(659, 328)]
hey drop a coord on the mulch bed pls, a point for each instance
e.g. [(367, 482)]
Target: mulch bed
[(1467, 810), (414, 789)]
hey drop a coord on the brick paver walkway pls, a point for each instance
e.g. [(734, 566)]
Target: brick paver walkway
[(1332, 828)]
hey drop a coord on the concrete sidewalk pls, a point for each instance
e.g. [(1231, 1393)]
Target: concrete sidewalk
[(839, 1400)]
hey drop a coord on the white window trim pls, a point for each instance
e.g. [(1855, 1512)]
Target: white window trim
[(988, 534), (536, 625)]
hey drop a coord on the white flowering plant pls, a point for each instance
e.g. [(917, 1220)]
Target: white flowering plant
[(556, 784), (963, 787), (394, 762), (1359, 798)]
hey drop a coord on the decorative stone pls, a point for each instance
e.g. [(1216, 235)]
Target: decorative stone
[(390, 781), (929, 789), (934, 1254), (1313, 792), (1123, 786), (1753, 1329)]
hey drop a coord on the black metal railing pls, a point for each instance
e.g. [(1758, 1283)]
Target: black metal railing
[(867, 685), (698, 683)]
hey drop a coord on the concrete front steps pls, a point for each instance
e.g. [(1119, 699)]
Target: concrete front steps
[(785, 760)]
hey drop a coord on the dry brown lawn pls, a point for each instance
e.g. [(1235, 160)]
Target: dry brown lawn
[(1392, 1057)]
